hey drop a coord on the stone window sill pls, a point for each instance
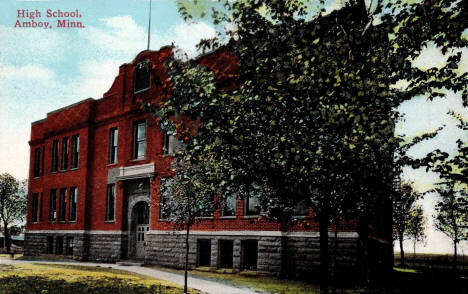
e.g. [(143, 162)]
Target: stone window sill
[(251, 216), (228, 217)]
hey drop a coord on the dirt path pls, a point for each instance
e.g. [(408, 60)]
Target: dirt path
[(207, 286)]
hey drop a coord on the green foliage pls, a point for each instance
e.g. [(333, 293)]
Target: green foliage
[(186, 194), (452, 213), (405, 209), (416, 231), (13, 204), (314, 117)]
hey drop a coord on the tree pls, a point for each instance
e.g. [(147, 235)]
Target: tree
[(416, 231), (404, 204), (13, 205), (313, 116), (452, 208), (452, 216), (186, 197)]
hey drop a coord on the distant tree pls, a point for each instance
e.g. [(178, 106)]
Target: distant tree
[(416, 231), (13, 203), (452, 209), (185, 198), (452, 216), (404, 202)]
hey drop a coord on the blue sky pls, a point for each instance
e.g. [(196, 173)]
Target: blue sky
[(42, 70)]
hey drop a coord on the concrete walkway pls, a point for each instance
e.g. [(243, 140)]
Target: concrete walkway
[(207, 286)]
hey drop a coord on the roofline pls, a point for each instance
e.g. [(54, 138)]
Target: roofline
[(63, 108)]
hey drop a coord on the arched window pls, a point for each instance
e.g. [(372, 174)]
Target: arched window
[(142, 76), (143, 214)]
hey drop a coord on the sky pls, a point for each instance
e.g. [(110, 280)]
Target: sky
[(45, 69)]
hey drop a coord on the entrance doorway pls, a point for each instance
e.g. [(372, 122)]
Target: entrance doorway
[(141, 215)]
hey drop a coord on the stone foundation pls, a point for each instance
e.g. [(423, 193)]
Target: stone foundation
[(296, 255), (85, 246)]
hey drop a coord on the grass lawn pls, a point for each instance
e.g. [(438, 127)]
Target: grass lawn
[(262, 284), (63, 279)]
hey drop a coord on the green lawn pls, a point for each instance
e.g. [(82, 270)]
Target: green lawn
[(260, 283), (63, 279)]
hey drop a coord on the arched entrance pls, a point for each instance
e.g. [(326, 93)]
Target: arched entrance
[(140, 227)]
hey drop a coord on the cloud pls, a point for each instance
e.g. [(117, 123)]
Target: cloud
[(26, 46), (122, 36), (97, 77)]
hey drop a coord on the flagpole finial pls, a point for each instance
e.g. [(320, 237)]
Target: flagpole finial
[(149, 26)]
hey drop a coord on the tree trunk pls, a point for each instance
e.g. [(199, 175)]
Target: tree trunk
[(402, 252), (6, 238), (186, 259), (335, 253), (324, 254), (454, 255), (414, 252)]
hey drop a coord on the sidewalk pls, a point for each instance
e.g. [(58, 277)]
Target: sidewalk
[(203, 285)]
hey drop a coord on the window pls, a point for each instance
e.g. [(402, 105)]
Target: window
[(37, 162), (249, 253), (42, 161), (53, 205), (169, 141), (139, 140), (113, 138), (225, 253), (72, 204), (62, 204), (143, 214), (54, 164), (40, 206), (251, 206), (64, 164), (203, 252), (228, 206), (301, 209), (164, 208), (142, 76), (50, 245), (110, 203), (69, 246), (35, 206), (59, 245), (75, 151)]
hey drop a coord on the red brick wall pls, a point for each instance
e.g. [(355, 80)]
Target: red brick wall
[(120, 107)]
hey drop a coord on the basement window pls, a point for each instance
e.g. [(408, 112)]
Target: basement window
[(142, 76), (249, 254), (225, 253), (50, 245), (204, 252), (69, 247), (59, 245)]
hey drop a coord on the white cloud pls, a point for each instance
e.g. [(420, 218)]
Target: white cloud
[(97, 77), (187, 35), (23, 46), (119, 34), (123, 37), (27, 72)]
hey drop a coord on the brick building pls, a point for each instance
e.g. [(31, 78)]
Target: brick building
[(96, 172)]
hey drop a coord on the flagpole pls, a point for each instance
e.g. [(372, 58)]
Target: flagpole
[(149, 26)]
